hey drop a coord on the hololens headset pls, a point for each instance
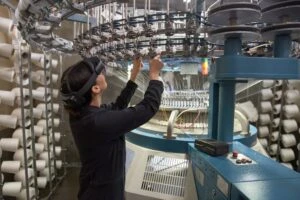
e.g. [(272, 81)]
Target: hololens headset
[(76, 99)]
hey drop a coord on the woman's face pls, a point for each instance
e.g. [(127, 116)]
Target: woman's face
[(101, 82)]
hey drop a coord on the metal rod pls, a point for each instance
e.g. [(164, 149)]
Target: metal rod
[(47, 59), (23, 55), (32, 125)]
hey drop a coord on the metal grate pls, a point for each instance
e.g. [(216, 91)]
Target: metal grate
[(165, 175)]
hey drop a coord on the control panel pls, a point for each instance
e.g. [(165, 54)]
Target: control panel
[(230, 176)]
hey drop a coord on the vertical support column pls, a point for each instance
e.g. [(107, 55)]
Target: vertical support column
[(233, 47), (47, 62), (213, 105), (34, 154), (23, 62)]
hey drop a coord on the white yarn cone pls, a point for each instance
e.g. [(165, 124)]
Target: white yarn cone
[(57, 136), (9, 144), (7, 97), (6, 25), (39, 148), (263, 142), (42, 123), (263, 131), (36, 58), (0, 152), (58, 150), (288, 140), (42, 182), (23, 194), (274, 136), (41, 165), (278, 83), (37, 113), (6, 63), (38, 131), (290, 125), (273, 149), (6, 50), (40, 95), (287, 155), (25, 78), (10, 166), (56, 122), (248, 109), (8, 121), (265, 106), (12, 189), (25, 97), (3, 38), (59, 164), (42, 106), (44, 156), (36, 77), (55, 93), (275, 122), (54, 78), (18, 113), (18, 133), (41, 75), (292, 96), (264, 119), (20, 176), (55, 108), (45, 172), (290, 111), (7, 74), (54, 63), (277, 109), (266, 94), (19, 155), (278, 95), (268, 83), (43, 140)]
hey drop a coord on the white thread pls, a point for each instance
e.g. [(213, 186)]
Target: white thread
[(275, 122), (265, 106), (264, 119), (263, 131), (274, 136), (277, 109), (290, 125), (287, 155), (288, 140), (266, 94), (278, 95), (268, 83), (290, 111), (273, 149)]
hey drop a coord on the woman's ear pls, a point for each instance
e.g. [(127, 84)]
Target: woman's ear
[(96, 89)]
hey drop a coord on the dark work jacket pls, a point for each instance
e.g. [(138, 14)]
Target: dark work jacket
[(99, 137)]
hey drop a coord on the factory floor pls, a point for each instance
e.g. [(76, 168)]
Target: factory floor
[(68, 189)]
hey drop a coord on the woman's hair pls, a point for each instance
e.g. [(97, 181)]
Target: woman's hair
[(74, 79)]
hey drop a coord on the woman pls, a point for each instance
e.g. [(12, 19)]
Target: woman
[(98, 129)]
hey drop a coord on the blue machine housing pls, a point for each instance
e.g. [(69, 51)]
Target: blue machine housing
[(219, 178)]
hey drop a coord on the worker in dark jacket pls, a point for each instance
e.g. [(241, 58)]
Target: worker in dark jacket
[(98, 129)]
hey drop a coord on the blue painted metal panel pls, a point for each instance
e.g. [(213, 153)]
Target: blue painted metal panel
[(283, 189), (265, 169), (236, 67), (243, 181)]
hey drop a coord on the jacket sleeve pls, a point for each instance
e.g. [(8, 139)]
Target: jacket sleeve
[(124, 98), (115, 123)]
